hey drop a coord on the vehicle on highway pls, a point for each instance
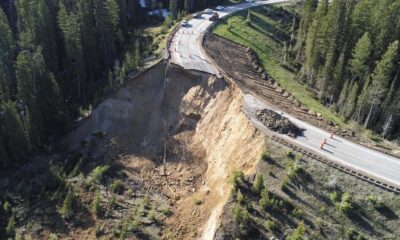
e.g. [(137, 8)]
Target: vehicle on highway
[(219, 8), (208, 11), (214, 17), (184, 23), (197, 15)]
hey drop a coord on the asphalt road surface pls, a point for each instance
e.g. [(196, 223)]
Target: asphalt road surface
[(186, 51), (346, 153), (186, 47)]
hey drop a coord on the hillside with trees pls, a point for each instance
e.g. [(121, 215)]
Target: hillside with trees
[(57, 58), (348, 54)]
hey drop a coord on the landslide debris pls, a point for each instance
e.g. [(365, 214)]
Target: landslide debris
[(278, 123)]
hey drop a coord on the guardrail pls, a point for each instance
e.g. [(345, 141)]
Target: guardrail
[(357, 174), (331, 163)]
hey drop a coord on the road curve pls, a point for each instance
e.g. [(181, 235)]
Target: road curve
[(186, 45), (186, 51)]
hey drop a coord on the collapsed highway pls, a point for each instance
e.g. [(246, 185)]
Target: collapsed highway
[(187, 51)]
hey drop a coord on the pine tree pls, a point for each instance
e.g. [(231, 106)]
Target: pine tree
[(314, 43), (381, 80), (36, 28), (66, 210), (107, 20), (351, 101), (14, 138), (361, 57), (5, 160), (173, 8), (334, 31), (188, 5), (307, 15), (28, 81), (89, 40), (69, 24), (7, 47)]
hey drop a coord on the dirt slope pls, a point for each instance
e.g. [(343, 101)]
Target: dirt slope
[(208, 138)]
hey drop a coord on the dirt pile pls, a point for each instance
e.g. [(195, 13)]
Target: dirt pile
[(278, 123)]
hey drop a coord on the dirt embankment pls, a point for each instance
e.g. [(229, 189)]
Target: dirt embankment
[(241, 64), (208, 137)]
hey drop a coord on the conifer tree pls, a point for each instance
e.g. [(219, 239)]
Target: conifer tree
[(72, 38), (7, 47), (14, 136), (381, 79), (359, 64)]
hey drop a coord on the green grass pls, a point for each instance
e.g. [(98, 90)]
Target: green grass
[(265, 36)]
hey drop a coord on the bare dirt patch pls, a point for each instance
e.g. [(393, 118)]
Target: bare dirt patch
[(139, 197)]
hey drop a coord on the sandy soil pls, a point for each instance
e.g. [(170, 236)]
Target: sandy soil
[(208, 138)]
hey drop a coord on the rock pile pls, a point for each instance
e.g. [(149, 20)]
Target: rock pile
[(278, 123)]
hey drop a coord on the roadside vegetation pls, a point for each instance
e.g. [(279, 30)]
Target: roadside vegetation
[(269, 30), (300, 198)]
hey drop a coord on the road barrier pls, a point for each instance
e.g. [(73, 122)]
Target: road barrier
[(331, 163)]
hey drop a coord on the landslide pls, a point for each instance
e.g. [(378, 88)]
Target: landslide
[(207, 138), (207, 135)]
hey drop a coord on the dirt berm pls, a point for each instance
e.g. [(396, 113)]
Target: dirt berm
[(208, 137)]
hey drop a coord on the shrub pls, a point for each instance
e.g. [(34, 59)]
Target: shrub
[(66, 210), (98, 133), (97, 230), (268, 202), (236, 178), (166, 211), (124, 230), (293, 171), (266, 157), (270, 225), (258, 184), (197, 201), (152, 215), (290, 154), (116, 186), (96, 203), (284, 183), (146, 202), (113, 202), (53, 236), (298, 213), (239, 197), (97, 174), (351, 233), (345, 204), (298, 233), (6, 207), (334, 197), (240, 214), (10, 229), (377, 202)]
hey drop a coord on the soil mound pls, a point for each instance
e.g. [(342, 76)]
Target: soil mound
[(278, 123)]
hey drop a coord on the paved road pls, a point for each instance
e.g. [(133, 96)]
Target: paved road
[(186, 48), (344, 152), (187, 52)]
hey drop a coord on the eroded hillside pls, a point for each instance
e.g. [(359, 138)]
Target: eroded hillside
[(108, 178)]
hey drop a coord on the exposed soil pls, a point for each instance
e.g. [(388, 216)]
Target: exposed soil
[(278, 123), (241, 64), (208, 137)]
